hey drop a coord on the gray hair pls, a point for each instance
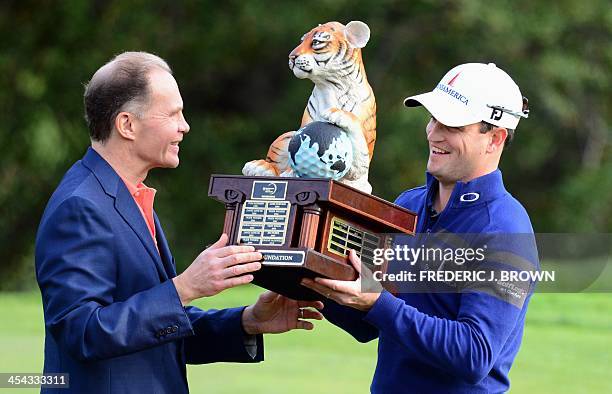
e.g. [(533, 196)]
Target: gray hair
[(121, 85)]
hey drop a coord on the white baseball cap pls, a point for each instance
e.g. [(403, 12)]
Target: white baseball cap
[(471, 93)]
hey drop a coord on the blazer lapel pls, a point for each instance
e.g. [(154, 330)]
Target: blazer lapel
[(164, 249), (124, 204), (127, 208)]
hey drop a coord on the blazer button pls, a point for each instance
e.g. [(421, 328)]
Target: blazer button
[(168, 330), (174, 328), (161, 333)]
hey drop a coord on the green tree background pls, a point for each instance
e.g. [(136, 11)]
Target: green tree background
[(230, 59)]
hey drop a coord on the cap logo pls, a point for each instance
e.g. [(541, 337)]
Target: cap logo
[(453, 93), (452, 81), (496, 114)]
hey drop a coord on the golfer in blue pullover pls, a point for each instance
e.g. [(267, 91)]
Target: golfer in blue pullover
[(463, 341)]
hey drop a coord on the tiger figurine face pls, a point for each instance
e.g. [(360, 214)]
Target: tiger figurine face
[(326, 50), (330, 56)]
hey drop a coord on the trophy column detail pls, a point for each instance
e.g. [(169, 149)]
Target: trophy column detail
[(310, 224)]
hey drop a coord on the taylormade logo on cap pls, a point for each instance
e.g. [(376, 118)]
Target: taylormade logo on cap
[(471, 93)]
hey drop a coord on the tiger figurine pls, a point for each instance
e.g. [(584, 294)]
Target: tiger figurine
[(330, 56)]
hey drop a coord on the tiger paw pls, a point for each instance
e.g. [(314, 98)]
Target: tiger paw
[(360, 184), (288, 173), (342, 119), (259, 168)]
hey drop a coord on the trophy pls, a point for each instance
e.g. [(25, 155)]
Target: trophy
[(308, 203)]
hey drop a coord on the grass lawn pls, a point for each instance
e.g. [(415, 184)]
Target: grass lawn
[(567, 348)]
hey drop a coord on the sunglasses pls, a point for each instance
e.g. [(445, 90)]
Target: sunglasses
[(524, 111)]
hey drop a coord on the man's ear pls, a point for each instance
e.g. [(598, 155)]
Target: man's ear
[(497, 139), (357, 33), (124, 124)]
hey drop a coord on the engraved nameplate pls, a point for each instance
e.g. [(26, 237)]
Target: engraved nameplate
[(282, 257), (264, 222), (344, 236)]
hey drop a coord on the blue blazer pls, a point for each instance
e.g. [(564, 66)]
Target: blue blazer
[(113, 318)]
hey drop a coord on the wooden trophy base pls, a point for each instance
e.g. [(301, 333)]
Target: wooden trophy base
[(285, 277)]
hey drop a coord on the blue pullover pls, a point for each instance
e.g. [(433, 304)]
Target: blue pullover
[(455, 342)]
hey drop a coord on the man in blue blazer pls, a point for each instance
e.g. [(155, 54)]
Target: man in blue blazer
[(116, 314)]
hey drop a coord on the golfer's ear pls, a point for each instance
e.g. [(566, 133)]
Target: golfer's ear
[(497, 139)]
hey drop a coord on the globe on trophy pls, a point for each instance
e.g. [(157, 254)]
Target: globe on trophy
[(320, 150)]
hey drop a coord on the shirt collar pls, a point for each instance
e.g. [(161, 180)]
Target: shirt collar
[(477, 191), (136, 190)]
